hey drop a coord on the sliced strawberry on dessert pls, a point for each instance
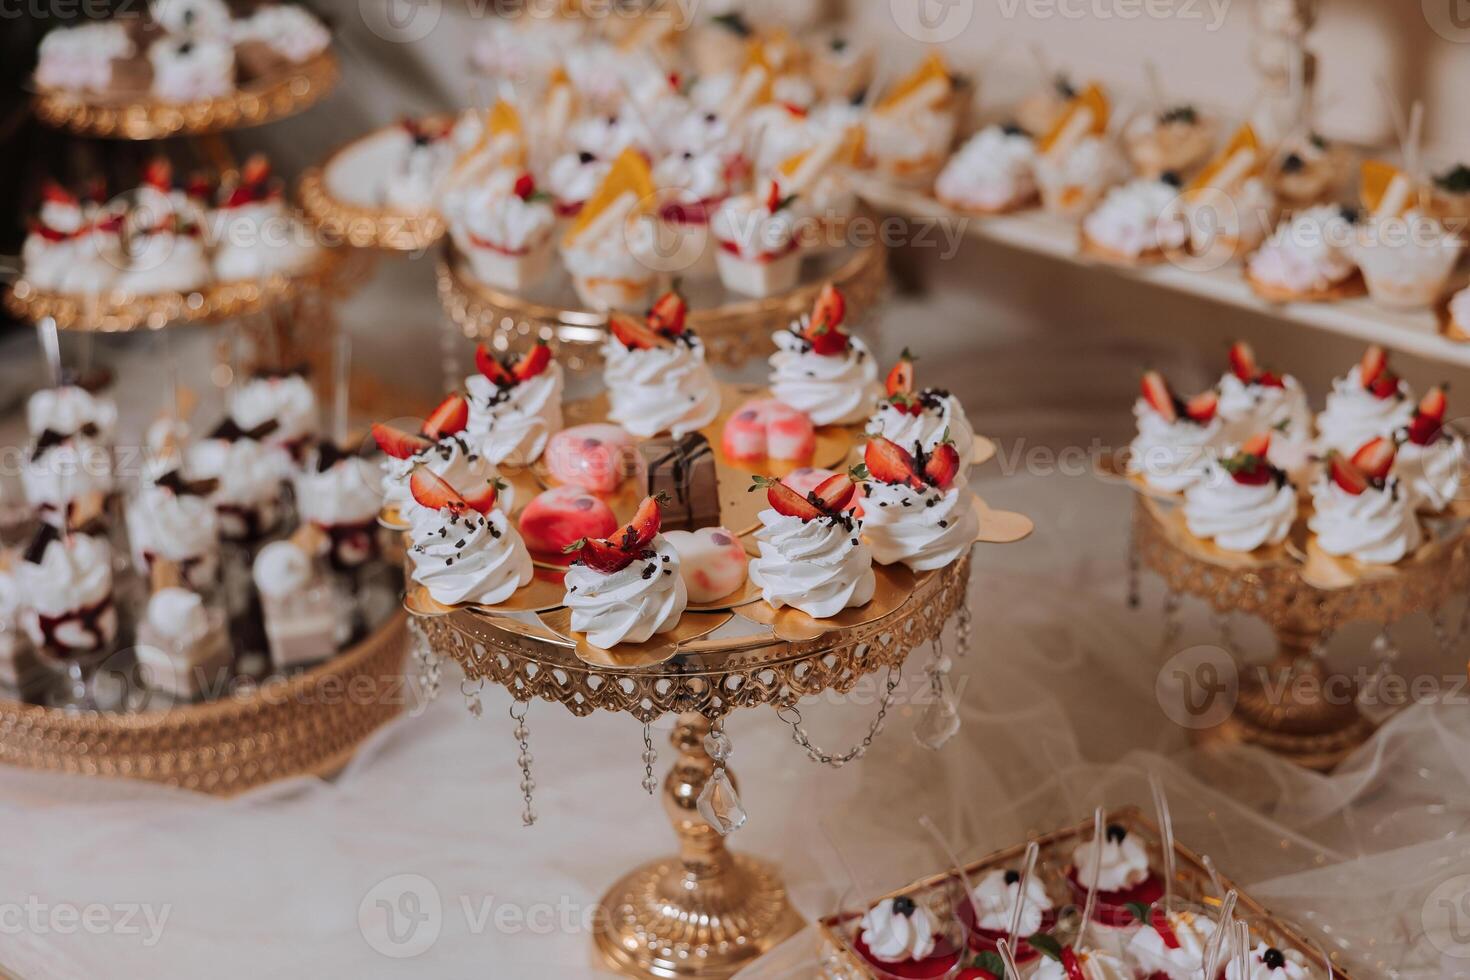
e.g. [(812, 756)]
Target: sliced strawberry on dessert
[(786, 501), (257, 170), (489, 365), (1374, 459), (431, 490), (888, 462), (1428, 417), (1243, 362), (1072, 964), (452, 415), (830, 309), (906, 402), (525, 186), (835, 493), (639, 533), (1156, 392), (483, 501), (1258, 445), (773, 197), (1373, 365), (532, 362), (1202, 407), (601, 555), (1249, 465), (901, 377), (397, 443), (942, 466), (1159, 920), (1346, 475), (669, 315), (632, 334)]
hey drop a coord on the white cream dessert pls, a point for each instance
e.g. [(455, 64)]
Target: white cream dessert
[(899, 931), (1137, 220), (1124, 862), (610, 134), (183, 647), (1254, 400), (167, 256), (1270, 963), (460, 555), (1460, 309), (573, 178), (505, 231), (994, 171), (1071, 182), (812, 556), (1431, 460), (69, 251), (1369, 401), (823, 371), (192, 18), (665, 387), (758, 251), (169, 520), (999, 893), (300, 608), (1093, 964), (68, 584), (69, 409), (515, 409), (257, 235), (333, 493), (1177, 955), (192, 68), (632, 604), (80, 58), (910, 130), (451, 457), (249, 482), (924, 423), (288, 400), (1406, 259), (1241, 502), (427, 154), (1174, 438), (917, 508), (289, 30), (1362, 515), (1306, 255), (59, 475), (1176, 139)]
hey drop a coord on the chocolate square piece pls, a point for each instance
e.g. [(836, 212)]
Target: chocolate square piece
[(684, 471)]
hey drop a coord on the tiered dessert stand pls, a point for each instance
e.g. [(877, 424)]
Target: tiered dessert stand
[(707, 912)]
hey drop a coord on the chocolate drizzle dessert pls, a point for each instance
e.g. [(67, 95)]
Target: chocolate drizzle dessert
[(683, 470)]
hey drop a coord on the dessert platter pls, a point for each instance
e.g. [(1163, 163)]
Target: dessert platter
[(1157, 910), (675, 545), (1248, 501), (182, 68), (169, 251), (214, 612)]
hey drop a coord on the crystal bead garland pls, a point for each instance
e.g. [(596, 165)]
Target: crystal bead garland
[(518, 712), (941, 719), (718, 802), (650, 758), (427, 663), (472, 696)]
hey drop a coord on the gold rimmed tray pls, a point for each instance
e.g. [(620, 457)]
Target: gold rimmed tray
[(214, 303), (261, 101), (336, 197), (734, 329), (892, 586), (658, 649), (294, 725), (1193, 883)]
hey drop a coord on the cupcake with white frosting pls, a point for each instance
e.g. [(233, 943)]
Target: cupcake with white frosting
[(1361, 510), (1137, 222), (994, 172), (1431, 459), (812, 556), (1269, 963), (515, 408), (626, 588), (1172, 945), (917, 509), (288, 401), (1307, 257), (1242, 502), (922, 419), (1175, 437), (68, 478), (820, 369), (504, 229), (1255, 400), (656, 376), (464, 549), (172, 520), (1369, 401), (67, 580)]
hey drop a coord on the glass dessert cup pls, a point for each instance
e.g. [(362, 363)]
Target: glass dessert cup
[(944, 961), (980, 940), (74, 673)]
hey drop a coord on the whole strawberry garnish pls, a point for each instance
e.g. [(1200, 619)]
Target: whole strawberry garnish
[(1243, 361), (1249, 466), (1375, 458), (888, 462), (633, 334), (1201, 408), (450, 418), (525, 186), (1160, 398), (1347, 476), (1159, 920), (532, 363), (397, 443), (625, 545), (669, 314), (1428, 422), (900, 379), (824, 330)]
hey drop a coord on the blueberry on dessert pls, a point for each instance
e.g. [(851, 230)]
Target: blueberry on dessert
[(916, 506), (812, 557), (627, 587), (1362, 510), (655, 372), (1176, 138), (1174, 436), (994, 898), (464, 549), (515, 404), (899, 937), (1120, 863), (994, 172), (1369, 401), (924, 417), (440, 444), (1431, 455), (1270, 963), (1242, 502), (821, 369)]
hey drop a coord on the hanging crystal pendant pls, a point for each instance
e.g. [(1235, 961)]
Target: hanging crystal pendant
[(720, 805), (940, 721)]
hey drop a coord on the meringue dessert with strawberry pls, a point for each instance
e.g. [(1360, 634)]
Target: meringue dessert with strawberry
[(515, 406), (504, 229), (921, 419), (916, 509), (441, 447), (1242, 502), (1174, 436), (1172, 945), (1369, 401), (994, 172), (1137, 222), (820, 369), (626, 588), (1306, 258), (1431, 460), (1119, 865), (464, 549), (68, 251), (257, 235), (812, 557), (1361, 510), (758, 251), (655, 373), (1255, 400)]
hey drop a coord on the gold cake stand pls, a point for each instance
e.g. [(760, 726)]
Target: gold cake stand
[(308, 723), (261, 101), (358, 223), (734, 329), (1289, 707)]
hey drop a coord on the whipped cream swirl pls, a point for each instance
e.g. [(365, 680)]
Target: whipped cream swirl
[(994, 170), (1376, 526), (1306, 254), (61, 474), (941, 413), (1434, 473), (925, 531), (179, 615), (338, 496), (1239, 516), (468, 557), (1138, 218), (996, 898), (832, 389), (180, 528), (1354, 415), (820, 566), (1170, 456), (1248, 408), (660, 389), (288, 401), (629, 605), (1268, 963), (1095, 964), (464, 468), (251, 478), (512, 424), (70, 608), (68, 409), (1183, 962), (895, 932), (1124, 862)]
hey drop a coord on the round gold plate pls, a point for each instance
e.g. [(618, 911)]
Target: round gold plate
[(289, 726), (892, 587), (661, 648), (262, 101)]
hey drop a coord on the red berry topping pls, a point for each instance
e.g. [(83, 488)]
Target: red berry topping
[(626, 544), (1156, 392), (1249, 465), (525, 186), (159, 174), (1428, 417), (483, 500), (1243, 361), (1346, 475), (489, 365), (669, 314), (1072, 964), (888, 462), (901, 377), (1375, 458), (639, 533), (632, 334), (532, 362), (1257, 445), (434, 492), (1159, 919), (452, 415), (1202, 407), (1373, 366), (942, 466), (257, 170), (602, 555), (836, 492), (830, 309), (397, 443), (787, 501)]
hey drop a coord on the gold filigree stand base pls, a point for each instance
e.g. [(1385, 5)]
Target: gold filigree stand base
[(706, 913)]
